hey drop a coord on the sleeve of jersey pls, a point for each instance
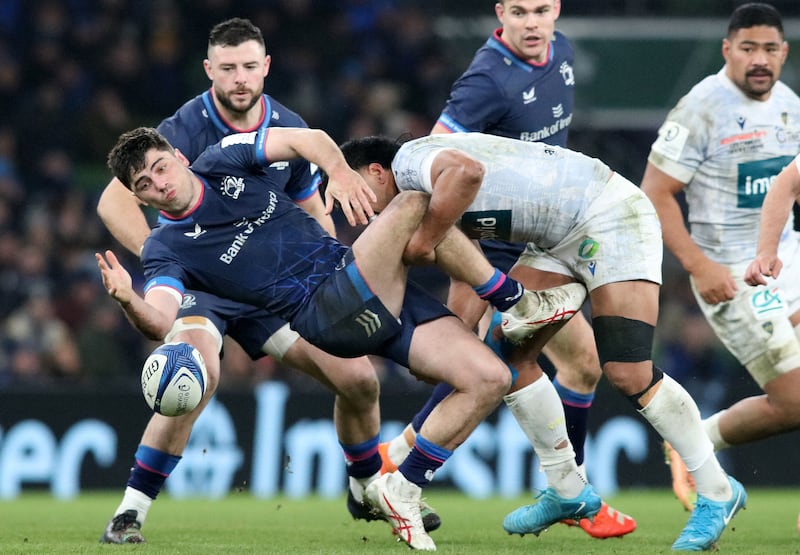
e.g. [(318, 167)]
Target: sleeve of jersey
[(161, 274), (419, 160), (681, 144), (474, 104)]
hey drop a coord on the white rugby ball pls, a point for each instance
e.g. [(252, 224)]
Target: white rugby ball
[(174, 379)]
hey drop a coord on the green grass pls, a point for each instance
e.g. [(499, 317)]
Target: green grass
[(240, 524)]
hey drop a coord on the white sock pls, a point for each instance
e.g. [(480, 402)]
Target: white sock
[(539, 412), (711, 426), (675, 416), (358, 485), (400, 447), (136, 500)]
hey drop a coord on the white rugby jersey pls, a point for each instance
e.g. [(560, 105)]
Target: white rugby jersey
[(728, 149), (531, 192)]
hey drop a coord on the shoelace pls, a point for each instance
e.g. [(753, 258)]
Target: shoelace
[(702, 520)]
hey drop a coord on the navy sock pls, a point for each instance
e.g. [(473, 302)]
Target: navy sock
[(441, 391), (501, 291), (363, 459), (576, 412), (151, 469), (423, 461)]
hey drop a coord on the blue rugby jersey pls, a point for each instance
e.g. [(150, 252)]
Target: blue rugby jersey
[(245, 239), (198, 124), (502, 94)]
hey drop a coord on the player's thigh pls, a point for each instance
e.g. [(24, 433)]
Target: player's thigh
[(445, 350), (379, 249), (351, 377)]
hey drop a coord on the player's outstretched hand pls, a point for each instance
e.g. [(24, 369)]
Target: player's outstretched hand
[(353, 194), (116, 279), (763, 266)]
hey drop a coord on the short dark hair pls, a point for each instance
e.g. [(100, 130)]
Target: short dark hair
[(128, 155), (753, 14), (363, 151), (233, 32)]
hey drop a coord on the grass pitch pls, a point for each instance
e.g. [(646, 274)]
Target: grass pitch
[(240, 524)]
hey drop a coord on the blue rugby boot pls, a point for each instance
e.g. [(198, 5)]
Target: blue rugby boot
[(551, 509), (709, 519)]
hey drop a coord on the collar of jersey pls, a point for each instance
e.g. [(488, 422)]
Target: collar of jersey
[(226, 128), (495, 42)]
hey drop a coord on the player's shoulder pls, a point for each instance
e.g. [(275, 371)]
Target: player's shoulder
[(282, 116)]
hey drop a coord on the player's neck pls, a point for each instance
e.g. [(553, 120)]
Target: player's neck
[(242, 121)]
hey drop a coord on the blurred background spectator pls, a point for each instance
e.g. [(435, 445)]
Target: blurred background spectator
[(74, 74)]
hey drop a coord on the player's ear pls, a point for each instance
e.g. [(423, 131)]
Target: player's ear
[(179, 155)]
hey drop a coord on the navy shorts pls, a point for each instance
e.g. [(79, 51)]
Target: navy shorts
[(249, 326), (344, 317), (501, 254)]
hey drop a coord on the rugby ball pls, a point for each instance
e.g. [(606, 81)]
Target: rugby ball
[(174, 379)]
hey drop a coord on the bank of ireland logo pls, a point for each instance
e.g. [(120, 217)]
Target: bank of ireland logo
[(767, 303), (232, 186)]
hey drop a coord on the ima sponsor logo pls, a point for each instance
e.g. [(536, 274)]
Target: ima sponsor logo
[(232, 186), (755, 179)]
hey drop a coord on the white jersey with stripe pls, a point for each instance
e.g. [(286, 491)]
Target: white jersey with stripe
[(728, 148), (531, 192)]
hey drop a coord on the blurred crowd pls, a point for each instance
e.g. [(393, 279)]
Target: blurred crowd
[(74, 74)]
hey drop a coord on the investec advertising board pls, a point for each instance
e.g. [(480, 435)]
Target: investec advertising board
[(272, 440)]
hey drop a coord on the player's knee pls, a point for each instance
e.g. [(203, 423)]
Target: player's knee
[(362, 387), (622, 339)]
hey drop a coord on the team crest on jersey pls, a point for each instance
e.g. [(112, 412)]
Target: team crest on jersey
[(566, 73), (558, 111), (232, 186)]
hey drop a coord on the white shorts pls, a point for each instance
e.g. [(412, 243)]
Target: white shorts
[(755, 325), (619, 239)]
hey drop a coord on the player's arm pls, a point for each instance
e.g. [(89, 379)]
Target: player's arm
[(152, 315), (121, 213), (713, 281), (455, 181), (774, 213), (344, 184)]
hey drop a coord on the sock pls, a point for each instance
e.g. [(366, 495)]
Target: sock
[(136, 500), (423, 461), (400, 446), (675, 416), (363, 459), (501, 291), (539, 413), (711, 426), (439, 392), (576, 411), (150, 470)]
